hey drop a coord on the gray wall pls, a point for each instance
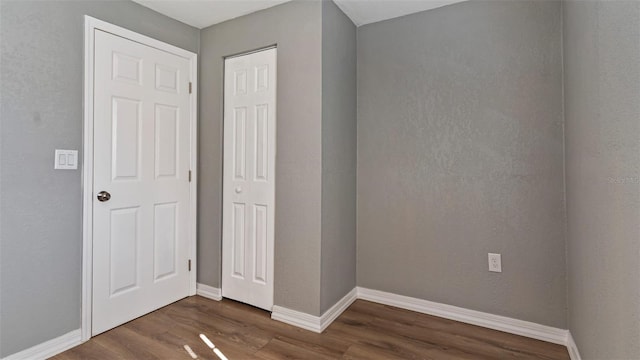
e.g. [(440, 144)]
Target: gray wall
[(41, 109), (338, 270), (297, 30), (602, 111), (460, 153)]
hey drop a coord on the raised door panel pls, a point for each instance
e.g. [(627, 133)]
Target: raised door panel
[(261, 142), (260, 244), (167, 78), (262, 78), (238, 243), (124, 241), (127, 68), (165, 240), (239, 148), (166, 140), (126, 131), (240, 82)]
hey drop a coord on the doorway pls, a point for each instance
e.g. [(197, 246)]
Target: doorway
[(249, 178), (139, 176)]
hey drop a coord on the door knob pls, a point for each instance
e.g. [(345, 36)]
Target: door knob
[(104, 196), (238, 190)]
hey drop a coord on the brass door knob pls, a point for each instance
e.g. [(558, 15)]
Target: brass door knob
[(104, 196)]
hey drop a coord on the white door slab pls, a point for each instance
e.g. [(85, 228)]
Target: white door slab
[(249, 178), (141, 163)]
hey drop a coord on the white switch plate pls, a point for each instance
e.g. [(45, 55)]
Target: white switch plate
[(495, 262), (66, 159)]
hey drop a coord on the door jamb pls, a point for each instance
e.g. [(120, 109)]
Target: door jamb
[(90, 26)]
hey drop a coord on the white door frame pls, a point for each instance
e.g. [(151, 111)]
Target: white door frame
[(90, 26)]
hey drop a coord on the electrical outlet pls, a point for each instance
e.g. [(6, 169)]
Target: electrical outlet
[(495, 262)]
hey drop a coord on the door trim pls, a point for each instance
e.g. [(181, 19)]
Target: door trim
[(90, 26)]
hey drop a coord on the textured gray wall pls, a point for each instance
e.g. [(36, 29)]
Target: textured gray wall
[(602, 110), (460, 153), (338, 273), (297, 30), (41, 109)]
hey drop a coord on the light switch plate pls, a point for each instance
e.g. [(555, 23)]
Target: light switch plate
[(66, 159)]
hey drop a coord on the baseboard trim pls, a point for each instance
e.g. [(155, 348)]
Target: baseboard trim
[(49, 348), (310, 322), (338, 308), (491, 321), (296, 318), (574, 354), (209, 292)]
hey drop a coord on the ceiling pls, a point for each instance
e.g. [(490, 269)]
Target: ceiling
[(364, 12), (203, 13)]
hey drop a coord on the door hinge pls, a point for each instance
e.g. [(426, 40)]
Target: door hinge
[(190, 89), (189, 264), (189, 175)]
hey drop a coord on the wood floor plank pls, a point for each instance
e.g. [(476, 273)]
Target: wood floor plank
[(177, 336), (364, 352), (529, 347), (221, 328), (365, 330), (370, 338), (129, 344), (448, 340), (90, 350), (277, 350)]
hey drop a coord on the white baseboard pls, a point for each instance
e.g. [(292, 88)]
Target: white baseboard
[(310, 322), (296, 318), (574, 354), (49, 348), (495, 322), (338, 308), (209, 292)]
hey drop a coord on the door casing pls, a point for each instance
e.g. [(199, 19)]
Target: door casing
[(91, 25)]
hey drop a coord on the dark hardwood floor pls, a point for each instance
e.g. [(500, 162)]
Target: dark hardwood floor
[(365, 331)]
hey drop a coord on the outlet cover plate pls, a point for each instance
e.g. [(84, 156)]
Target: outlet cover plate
[(495, 262)]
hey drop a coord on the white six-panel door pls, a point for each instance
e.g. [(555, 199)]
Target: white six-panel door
[(141, 158), (249, 178)]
